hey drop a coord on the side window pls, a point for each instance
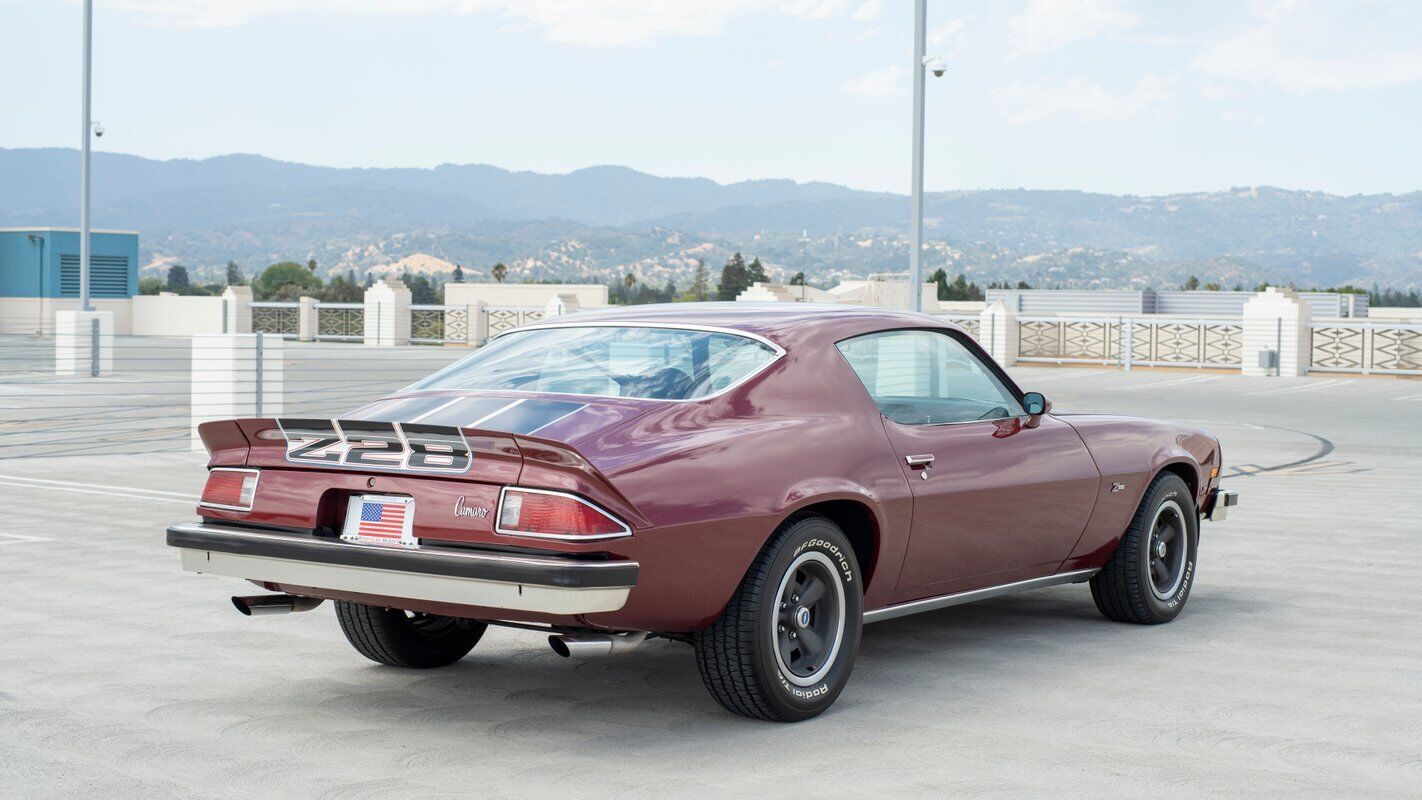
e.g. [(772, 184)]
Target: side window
[(927, 378)]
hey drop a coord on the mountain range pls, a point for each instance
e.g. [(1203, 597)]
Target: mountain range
[(601, 222)]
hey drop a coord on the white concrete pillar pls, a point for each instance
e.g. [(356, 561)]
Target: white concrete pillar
[(387, 313), (997, 332), (235, 376), (1276, 319), (306, 325), (238, 300), (478, 322), (84, 343)]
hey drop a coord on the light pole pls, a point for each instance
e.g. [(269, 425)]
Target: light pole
[(921, 63), (90, 128)]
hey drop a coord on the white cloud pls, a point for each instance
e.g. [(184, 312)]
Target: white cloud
[(1049, 24), (1293, 46), (950, 33), (605, 23), (887, 82), (1025, 103), (868, 10)]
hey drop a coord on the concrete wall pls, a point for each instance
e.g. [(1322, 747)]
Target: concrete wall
[(32, 315), (1393, 314), (528, 295), (171, 315)]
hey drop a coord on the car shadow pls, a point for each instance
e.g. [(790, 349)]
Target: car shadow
[(653, 697)]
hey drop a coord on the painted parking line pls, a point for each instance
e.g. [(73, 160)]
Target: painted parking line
[(80, 488), (1307, 387), (15, 538), (127, 489), (1172, 382)]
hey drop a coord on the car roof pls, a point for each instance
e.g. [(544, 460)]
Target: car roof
[(779, 322)]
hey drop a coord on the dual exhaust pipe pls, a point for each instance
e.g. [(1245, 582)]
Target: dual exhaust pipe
[(262, 605), (567, 645), (581, 645)]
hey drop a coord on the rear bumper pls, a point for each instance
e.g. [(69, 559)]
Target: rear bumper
[(1219, 503), (545, 584)]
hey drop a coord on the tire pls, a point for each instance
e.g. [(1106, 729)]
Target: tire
[(771, 654), (400, 639), (1148, 578)]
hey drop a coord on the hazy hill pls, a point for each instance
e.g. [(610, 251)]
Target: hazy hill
[(601, 221)]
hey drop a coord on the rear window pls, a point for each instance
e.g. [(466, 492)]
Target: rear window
[(609, 361)]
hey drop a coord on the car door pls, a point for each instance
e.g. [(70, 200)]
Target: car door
[(998, 496)]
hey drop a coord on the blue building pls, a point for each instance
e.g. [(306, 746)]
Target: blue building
[(44, 263)]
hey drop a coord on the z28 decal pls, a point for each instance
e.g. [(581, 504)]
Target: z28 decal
[(378, 445)]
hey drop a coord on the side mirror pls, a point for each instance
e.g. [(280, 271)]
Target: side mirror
[(1035, 404)]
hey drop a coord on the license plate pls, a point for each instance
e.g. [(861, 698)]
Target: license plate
[(381, 519)]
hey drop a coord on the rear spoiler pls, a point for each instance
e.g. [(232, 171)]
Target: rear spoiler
[(412, 450)]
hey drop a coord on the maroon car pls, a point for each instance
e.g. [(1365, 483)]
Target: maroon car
[(754, 480)]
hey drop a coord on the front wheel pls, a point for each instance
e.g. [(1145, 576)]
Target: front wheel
[(404, 639), (785, 645), (1147, 580)]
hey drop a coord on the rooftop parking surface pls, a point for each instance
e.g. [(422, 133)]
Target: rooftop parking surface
[(1296, 670)]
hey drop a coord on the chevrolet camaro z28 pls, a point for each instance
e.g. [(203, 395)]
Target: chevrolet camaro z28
[(756, 481)]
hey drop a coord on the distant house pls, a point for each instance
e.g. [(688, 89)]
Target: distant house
[(39, 275)]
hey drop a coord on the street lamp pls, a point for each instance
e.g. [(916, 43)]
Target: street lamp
[(97, 130), (921, 63)]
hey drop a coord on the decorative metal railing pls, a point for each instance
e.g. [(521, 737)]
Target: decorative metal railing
[(968, 322), (1366, 347), (502, 318), (281, 319), (340, 321), (439, 324), (1131, 341)]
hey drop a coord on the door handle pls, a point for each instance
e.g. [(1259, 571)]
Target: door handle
[(925, 460)]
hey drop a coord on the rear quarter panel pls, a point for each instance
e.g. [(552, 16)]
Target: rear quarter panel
[(1132, 451)]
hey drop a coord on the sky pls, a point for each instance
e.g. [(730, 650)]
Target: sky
[(1145, 97)]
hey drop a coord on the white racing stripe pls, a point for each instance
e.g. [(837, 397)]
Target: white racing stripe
[(16, 538), (476, 422)]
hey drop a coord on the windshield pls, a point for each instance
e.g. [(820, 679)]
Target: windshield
[(608, 361)]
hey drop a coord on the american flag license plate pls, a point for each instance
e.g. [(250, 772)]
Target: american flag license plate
[(381, 519)]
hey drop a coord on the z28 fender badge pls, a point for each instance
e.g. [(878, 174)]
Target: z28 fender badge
[(1118, 487), (462, 510), (364, 444)]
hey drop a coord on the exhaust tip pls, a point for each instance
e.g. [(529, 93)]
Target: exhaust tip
[(559, 646), (262, 605)]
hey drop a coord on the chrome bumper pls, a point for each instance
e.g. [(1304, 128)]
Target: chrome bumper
[(1221, 501), (547, 584)]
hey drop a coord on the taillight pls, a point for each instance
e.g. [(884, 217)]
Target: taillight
[(554, 515), (231, 489)]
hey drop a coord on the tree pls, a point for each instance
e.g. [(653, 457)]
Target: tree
[(701, 282), (1023, 285), (458, 274), (734, 278), (1191, 284), (234, 274), (1212, 287), (629, 280), (178, 279), (150, 285), (343, 289), (285, 280), (755, 273), (499, 271), (799, 279), (422, 289), (311, 265), (941, 278)]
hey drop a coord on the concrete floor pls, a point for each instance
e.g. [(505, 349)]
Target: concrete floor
[(1296, 670)]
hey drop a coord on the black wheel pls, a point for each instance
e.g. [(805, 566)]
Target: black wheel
[(406, 639), (1147, 580), (785, 645)]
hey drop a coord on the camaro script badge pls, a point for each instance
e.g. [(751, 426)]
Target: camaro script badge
[(462, 510)]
